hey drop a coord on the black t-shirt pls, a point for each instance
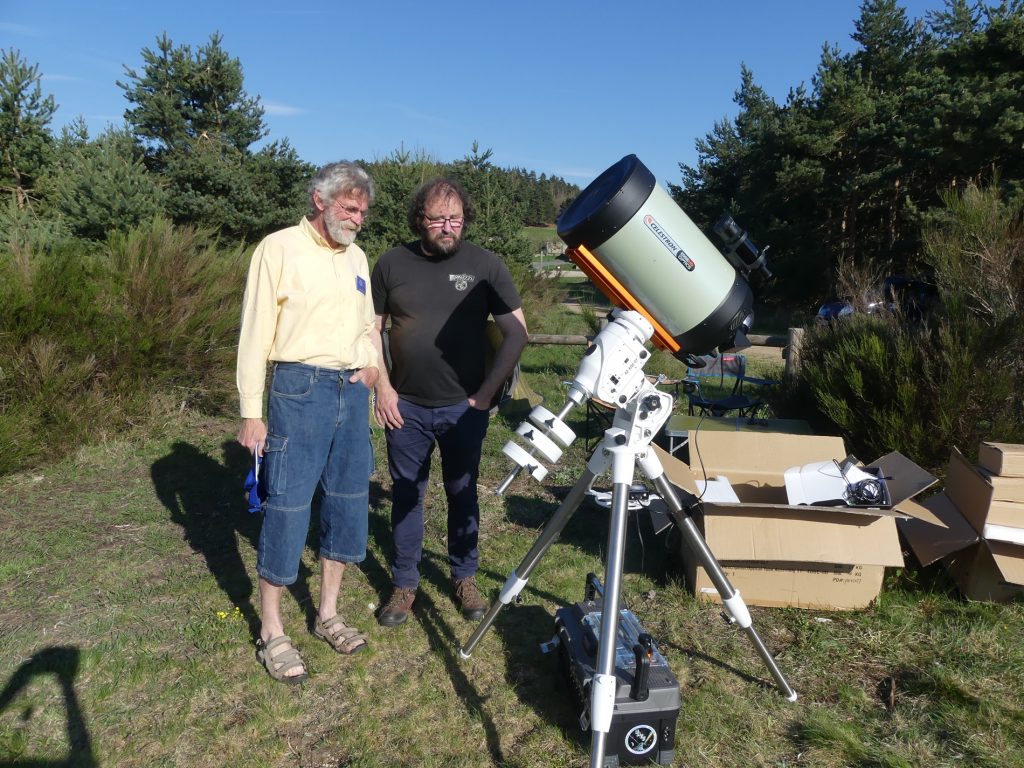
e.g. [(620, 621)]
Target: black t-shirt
[(439, 308)]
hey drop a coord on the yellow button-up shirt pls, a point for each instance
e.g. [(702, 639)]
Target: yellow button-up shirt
[(305, 302)]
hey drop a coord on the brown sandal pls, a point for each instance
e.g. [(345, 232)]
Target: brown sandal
[(280, 663), (341, 637)]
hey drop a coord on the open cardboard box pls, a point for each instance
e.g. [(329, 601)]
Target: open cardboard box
[(961, 527), (778, 554)]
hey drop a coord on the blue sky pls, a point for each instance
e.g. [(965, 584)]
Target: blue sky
[(560, 88)]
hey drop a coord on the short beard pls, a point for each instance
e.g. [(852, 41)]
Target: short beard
[(337, 229), (440, 249)]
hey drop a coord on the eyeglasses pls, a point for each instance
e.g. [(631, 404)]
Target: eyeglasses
[(437, 222), (351, 211)]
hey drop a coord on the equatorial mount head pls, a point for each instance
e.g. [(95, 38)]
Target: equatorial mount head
[(612, 370)]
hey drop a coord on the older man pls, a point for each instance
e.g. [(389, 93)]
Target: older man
[(438, 293), (307, 310)]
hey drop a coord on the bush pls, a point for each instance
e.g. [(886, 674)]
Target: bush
[(541, 294), (181, 298), (95, 339), (954, 380), (863, 377)]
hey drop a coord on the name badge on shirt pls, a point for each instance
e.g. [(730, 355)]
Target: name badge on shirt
[(360, 285)]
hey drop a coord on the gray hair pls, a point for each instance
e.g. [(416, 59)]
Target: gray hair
[(340, 178)]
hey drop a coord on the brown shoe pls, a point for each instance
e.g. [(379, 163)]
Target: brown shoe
[(470, 600), (398, 607)]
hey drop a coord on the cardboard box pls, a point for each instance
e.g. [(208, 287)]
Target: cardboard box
[(1006, 488), (833, 588), (972, 491), (990, 571), (1002, 458), (778, 554), (945, 528)]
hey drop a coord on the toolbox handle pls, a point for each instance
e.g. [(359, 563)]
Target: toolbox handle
[(642, 651)]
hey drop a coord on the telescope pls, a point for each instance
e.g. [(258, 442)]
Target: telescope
[(673, 287), (645, 254)]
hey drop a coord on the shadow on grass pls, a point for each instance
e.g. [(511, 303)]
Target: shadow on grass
[(647, 551), (62, 662), (520, 629), (444, 643), (377, 573), (536, 677), (767, 683), (205, 498)]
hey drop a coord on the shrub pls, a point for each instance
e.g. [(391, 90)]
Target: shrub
[(862, 377), (181, 296), (541, 294), (92, 336), (22, 231), (955, 379), (977, 252)]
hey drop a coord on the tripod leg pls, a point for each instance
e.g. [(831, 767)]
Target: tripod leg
[(518, 578), (731, 599), (603, 686)]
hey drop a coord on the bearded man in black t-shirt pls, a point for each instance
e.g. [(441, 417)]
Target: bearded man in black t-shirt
[(438, 294)]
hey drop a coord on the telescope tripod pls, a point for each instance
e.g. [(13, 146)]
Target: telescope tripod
[(612, 370), (621, 454)]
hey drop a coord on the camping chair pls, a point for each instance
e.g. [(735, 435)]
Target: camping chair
[(599, 418), (716, 389)]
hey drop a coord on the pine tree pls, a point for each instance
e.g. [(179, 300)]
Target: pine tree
[(185, 101), (25, 115), (196, 125), (101, 186), (499, 212)]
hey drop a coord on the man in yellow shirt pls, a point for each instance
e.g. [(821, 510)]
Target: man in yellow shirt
[(307, 310)]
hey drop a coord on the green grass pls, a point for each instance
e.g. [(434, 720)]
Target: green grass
[(127, 614), (538, 236)]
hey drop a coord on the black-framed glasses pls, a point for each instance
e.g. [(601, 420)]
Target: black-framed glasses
[(437, 222)]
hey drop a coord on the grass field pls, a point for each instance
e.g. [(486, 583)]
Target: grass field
[(538, 236), (127, 619)]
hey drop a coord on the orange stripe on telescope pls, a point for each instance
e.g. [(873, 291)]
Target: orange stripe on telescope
[(619, 294)]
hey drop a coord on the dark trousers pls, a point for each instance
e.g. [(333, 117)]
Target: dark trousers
[(458, 431)]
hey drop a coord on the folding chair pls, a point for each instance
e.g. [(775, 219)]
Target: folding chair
[(599, 418), (716, 389)]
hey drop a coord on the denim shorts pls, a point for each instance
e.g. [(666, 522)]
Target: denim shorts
[(318, 435)]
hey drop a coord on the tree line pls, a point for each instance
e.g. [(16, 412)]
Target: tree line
[(852, 169), (121, 256), (188, 151), (847, 171)]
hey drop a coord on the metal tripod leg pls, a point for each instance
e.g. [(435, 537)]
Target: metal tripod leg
[(731, 600), (604, 684), (518, 578)]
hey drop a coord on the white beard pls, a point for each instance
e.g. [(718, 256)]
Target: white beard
[(341, 231)]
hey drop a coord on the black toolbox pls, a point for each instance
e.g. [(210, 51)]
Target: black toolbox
[(647, 693)]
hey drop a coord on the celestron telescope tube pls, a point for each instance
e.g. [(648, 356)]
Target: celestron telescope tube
[(629, 236)]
